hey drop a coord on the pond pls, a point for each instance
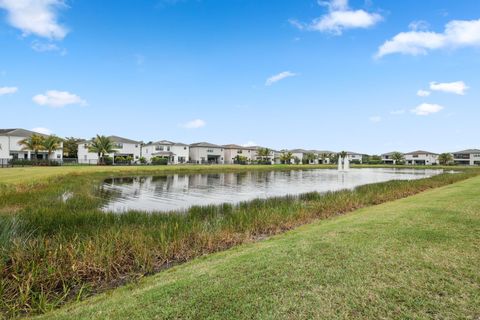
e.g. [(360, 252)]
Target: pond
[(181, 191)]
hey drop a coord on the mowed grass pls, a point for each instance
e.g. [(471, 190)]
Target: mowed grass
[(414, 258)]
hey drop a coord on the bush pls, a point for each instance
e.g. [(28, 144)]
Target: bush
[(26, 162), (159, 161), (143, 160)]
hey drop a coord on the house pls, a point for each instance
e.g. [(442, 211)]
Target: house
[(175, 152), (123, 148), (10, 147), (233, 151), (468, 157), (354, 157), (206, 153), (270, 158), (298, 155), (421, 157), (387, 157)]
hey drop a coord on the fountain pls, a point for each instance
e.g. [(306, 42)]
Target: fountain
[(343, 164)]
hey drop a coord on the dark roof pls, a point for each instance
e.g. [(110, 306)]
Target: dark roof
[(166, 142), (468, 151), (115, 139), (420, 152), (17, 132), (236, 146), (391, 153), (205, 145)]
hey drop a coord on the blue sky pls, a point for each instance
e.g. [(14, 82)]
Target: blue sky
[(285, 74)]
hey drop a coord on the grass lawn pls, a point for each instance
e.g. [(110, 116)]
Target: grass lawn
[(414, 258)]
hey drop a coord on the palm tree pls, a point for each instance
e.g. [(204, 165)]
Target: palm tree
[(286, 157), (33, 143), (102, 146), (309, 157), (324, 157), (445, 159), (51, 143), (398, 158), (264, 154)]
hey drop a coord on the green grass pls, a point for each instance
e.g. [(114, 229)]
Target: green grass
[(414, 258), (52, 252)]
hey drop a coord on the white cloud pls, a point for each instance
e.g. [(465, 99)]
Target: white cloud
[(375, 119), (278, 77), (250, 144), (426, 108), (397, 112), (457, 34), (339, 18), (458, 87), (42, 130), (58, 99), (195, 124), (37, 17), (8, 90), (423, 93), (46, 47), (419, 25)]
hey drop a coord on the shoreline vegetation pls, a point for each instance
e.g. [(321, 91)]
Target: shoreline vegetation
[(55, 251)]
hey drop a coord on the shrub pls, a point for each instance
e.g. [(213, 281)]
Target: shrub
[(159, 161)]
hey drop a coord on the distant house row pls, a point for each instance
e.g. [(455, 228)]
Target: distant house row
[(208, 153)]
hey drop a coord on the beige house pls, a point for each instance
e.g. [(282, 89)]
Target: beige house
[(233, 151), (470, 157), (421, 157), (206, 153)]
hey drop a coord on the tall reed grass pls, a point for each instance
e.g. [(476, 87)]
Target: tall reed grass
[(54, 251)]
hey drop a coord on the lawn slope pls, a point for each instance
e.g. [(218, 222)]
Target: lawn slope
[(417, 257)]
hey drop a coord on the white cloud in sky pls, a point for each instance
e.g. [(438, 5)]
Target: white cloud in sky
[(339, 18), (426, 109), (38, 17), (278, 77), (7, 90), (423, 93), (457, 34), (397, 112), (375, 119), (40, 46), (42, 130), (195, 124), (457, 87), (58, 99), (250, 144)]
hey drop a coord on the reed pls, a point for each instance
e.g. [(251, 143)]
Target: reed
[(54, 251)]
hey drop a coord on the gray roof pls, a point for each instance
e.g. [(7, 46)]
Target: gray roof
[(17, 132), (468, 151), (299, 151), (236, 146), (420, 152), (166, 143), (115, 139), (353, 153), (391, 153), (204, 145)]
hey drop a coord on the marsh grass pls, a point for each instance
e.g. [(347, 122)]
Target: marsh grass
[(55, 250)]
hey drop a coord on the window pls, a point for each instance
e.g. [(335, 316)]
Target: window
[(184, 148), (136, 146), (119, 145), (168, 148), (239, 151), (58, 156), (210, 150)]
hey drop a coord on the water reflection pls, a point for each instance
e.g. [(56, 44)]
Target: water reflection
[(179, 191)]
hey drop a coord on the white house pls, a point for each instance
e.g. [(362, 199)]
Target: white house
[(324, 156), (10, 147), (123, 148), (354, 157), (421, 157), (468, 157), (175, 152), (270, 158), (206, 153), (232, 151)]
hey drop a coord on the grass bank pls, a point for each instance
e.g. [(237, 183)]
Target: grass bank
[(53, 251), (415, 258)]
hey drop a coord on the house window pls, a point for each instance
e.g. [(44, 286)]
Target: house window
[(136, 146), (168, 148), (119, 145), (210, 150), (184, 148), (58, 156)]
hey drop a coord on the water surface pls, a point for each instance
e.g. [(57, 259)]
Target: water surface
[(179, 192)]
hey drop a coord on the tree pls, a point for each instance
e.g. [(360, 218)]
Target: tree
[(286, 157), (309, 157), (398, 158), (102, 146), (51, 143), (70, 147), (33, 143), (239, 159), (264, 154), (445, 159)]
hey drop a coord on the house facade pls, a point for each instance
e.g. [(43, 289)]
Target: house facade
[(123, 148), (10, 147), (387, 157), (206, 153), (470, 157), (421, 157), (233, 151), (175, 152), (354, 157)]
